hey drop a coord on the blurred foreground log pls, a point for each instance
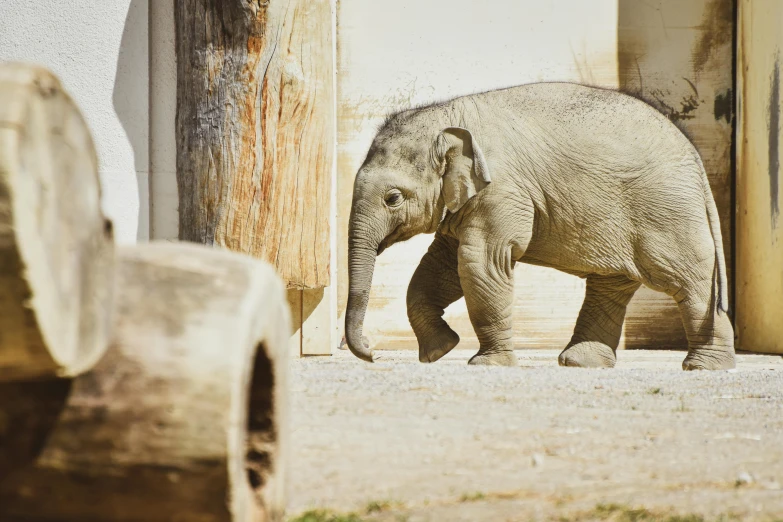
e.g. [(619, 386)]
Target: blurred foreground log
[(184, 419), (255, 130), (56, 248)]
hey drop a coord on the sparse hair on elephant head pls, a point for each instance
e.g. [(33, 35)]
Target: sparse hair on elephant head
[(461, 164)]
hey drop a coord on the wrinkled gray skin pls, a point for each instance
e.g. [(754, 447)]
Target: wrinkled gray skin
[(588, 181)]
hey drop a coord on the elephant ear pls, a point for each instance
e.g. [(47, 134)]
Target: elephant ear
[(462, 166)]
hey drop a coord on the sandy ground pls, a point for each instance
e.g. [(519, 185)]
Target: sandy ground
[(399, 440)]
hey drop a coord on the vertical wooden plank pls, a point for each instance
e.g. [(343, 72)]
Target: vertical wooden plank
[(318, 322), (759, 232), (164, 215), (678, 57), (254, 128), (294, 298)]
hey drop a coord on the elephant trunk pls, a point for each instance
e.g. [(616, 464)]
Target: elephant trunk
[(362, 250)]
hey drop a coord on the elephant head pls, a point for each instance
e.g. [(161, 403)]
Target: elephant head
[(416, 170)]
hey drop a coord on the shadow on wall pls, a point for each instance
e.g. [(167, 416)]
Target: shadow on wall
[(131, 101)]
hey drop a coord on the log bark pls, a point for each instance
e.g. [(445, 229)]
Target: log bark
[(183, 419), (255, 134), (56, 247)]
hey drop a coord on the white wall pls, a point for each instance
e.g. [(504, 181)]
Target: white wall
[(100, 51)]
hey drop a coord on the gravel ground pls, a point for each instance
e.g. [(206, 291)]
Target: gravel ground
[(400, 440)]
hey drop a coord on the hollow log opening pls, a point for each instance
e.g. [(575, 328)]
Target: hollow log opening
[(261, 429)]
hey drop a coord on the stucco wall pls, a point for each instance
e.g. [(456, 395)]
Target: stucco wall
[(100, 52)]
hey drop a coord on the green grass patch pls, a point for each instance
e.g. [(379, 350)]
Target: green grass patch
[(472, 497), (325, 515), (623, 513), (379, 506)]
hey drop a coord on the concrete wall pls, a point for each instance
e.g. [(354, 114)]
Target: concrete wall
[(100, 52)]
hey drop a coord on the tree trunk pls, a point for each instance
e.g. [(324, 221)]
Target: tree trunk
[(183, 419), (255, 123), (56, 248)]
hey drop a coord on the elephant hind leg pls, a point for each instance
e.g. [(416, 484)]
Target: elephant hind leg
[(600, 322), (709, 331)]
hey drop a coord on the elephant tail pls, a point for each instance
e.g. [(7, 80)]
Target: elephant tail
[(720, 286)]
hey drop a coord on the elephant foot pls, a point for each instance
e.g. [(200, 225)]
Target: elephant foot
[(588, 355), (499, 358), (706, 358), (432, 349)]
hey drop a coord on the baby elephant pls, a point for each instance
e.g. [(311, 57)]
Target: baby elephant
[(588, 181)]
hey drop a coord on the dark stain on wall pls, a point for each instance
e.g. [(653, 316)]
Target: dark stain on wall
[(724, 106), (658, 99), (717, 30), (774, 142)]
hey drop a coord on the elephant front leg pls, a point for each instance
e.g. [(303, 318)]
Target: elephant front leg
[(600, 322), (434, 286), (487, 277)]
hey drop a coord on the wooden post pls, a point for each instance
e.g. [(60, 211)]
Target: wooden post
[(759, 233), (183, 419), (56, 247), (254, 128)]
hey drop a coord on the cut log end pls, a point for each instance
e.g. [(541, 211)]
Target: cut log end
[(184, 418), (56, 247)]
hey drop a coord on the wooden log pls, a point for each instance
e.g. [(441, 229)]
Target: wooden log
[(184, 419), (759, 233), (255, 136), (56, 247)]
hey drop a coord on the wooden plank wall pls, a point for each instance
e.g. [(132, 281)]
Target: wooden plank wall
[(678, 57), (675, 54), (759, 233)]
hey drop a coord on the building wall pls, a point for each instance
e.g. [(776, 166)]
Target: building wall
[(100, 52)]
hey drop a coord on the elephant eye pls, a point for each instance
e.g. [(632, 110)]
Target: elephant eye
[(393, 198)]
